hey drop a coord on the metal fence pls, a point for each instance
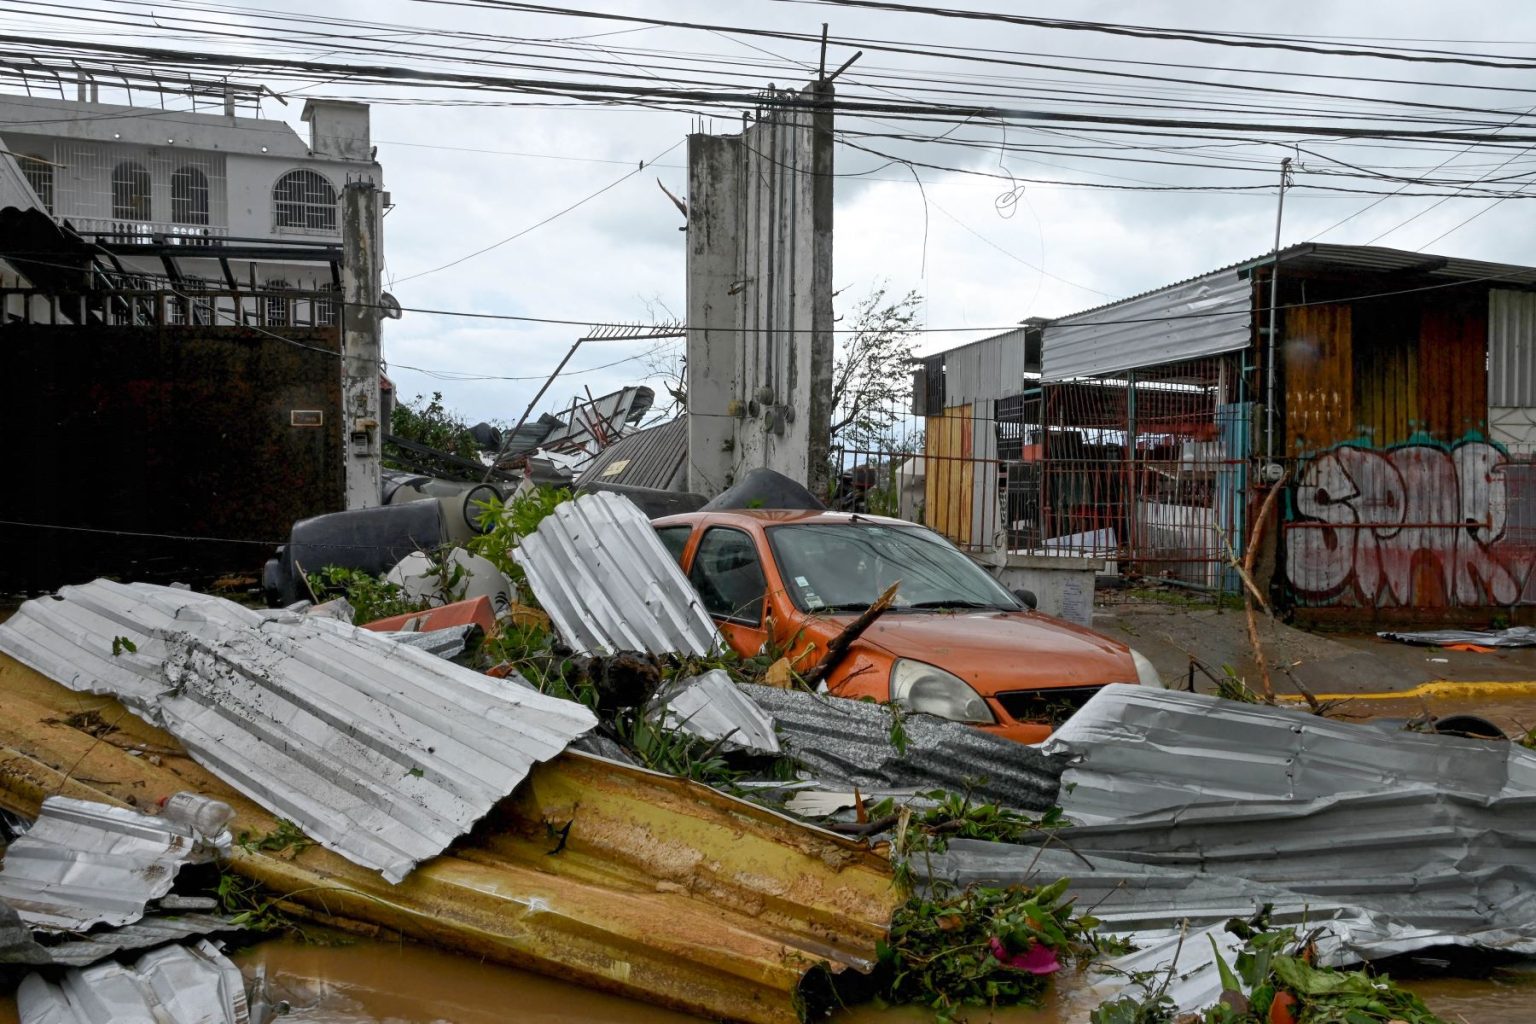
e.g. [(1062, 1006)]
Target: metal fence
[(1145, 471), (194, 303)]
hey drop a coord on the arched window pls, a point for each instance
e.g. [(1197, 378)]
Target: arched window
[(189, 196), (304, 199), (130, 191), (39, 174)]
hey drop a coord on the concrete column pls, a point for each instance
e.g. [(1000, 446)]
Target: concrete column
[(822, 353), (715, 199), (362, 426)]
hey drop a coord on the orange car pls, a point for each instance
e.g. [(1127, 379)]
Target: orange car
[(955, 644)]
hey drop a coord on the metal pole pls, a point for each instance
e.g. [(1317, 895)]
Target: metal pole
[(1274, 302), (507, 444)]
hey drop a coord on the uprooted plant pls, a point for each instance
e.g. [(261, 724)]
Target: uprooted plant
[(1274, 979), (983, 946), (509, 522), (371, 598)]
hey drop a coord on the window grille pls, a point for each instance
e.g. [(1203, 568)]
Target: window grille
[(189, 196), (39, 174), (277, 310), (305, 200), (130, 191)]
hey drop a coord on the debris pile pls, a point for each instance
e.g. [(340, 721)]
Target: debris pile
[(533, 750)]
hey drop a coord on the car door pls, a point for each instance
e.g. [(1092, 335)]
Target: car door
[(727, 571)]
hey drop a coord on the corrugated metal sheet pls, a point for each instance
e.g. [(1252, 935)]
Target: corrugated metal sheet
[(145, 933), (1200, 810), (82, 864), (1511, 348), (712, 707), (601, 573), (664, 890), (1142, 750), (175, 985), (848, 742), (655, 457), (985, 370), (1205, 316), (383, 753)]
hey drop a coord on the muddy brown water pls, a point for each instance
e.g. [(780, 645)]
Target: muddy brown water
[(365, 982)]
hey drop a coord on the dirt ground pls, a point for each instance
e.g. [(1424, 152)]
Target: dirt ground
[(1169, 628)]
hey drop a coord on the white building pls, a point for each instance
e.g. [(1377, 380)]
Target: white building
[(211, 195)]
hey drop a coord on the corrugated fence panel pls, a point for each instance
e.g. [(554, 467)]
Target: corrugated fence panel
[(1511, 348), (985, 370), (1318, 362), (1453, 381), (1203, 317)]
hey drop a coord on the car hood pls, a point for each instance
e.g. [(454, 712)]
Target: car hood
[(997, 651)]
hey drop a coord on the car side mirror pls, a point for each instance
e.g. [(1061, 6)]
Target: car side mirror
[(1027, 598)]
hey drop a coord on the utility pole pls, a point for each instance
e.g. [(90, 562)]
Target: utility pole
[(1271, 470), (362, 312)]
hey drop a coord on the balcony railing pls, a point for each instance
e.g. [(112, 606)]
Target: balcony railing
[(121, 232)]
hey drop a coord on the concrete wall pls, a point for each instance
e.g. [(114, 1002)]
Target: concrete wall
[(760, 295)]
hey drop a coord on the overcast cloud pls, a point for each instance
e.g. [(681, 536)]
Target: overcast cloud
[(463, 178)]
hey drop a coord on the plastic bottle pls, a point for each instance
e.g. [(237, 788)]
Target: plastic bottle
[(203, 814)]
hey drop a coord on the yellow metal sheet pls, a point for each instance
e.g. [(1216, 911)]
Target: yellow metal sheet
[(664, 890)]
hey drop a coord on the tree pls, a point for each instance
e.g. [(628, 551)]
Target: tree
[(872, 373)]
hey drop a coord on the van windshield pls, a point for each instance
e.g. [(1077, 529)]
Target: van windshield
[(838, 567)]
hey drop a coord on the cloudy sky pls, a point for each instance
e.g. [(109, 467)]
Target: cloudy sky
[(1003, 218)]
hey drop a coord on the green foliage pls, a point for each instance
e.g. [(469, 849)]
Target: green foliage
[(1274, 964), (121, 644), (240, 899), (939, 953), (511, 521), (370, 597), (285, 838), (428, 422), (872, 375), (1232, 686)]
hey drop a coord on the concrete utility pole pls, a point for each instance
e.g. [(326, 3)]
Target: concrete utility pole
[(362, 430)]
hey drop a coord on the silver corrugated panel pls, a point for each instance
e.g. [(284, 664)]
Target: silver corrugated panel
[(1201, 810), (1206, 316), (378, 751), (601, 573), (712, 707), (147, 933), (985, 370), (175, 985), (84, 863), (1138, 750), (848, 742), (1511, 348), (655, 457)]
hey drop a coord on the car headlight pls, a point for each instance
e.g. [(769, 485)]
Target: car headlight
[(931, 690), (1146, 672)]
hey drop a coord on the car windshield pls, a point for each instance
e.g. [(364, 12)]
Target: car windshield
[(832, 567)]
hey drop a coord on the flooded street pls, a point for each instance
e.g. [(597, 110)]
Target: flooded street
[(367, 982)]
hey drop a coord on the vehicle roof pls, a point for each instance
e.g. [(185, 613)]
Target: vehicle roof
[(776, 516)]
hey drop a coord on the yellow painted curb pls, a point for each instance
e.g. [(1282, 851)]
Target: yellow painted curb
[(1438, 688)]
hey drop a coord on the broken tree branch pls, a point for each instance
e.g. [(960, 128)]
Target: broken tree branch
[(1249, 589), (838, 646)]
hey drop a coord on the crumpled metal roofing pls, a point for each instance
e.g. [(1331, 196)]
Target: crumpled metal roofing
[(1514, 636), (1139, 750), (85, 863), (601, 573), (712, 707), (376, 750), (1201, 810), (848, 742), (174, 985)]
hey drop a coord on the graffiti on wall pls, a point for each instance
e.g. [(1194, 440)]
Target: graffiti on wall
[(1420, 525)]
